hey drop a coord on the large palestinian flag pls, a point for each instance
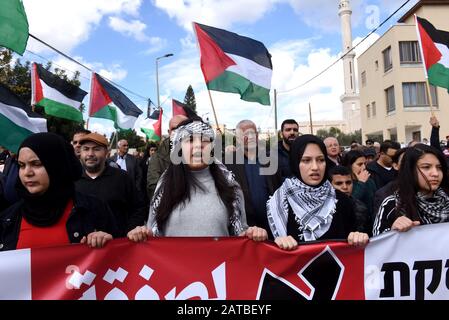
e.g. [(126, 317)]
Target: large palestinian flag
[(434, 45), (153, 131), (108, 102), (58, 97), (233, 63), (179, 108), (13, 26), (17, 120)]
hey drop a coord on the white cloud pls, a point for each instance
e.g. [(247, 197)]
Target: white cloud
[(136, 30), (219, 13), (323, 14), (66, 24)]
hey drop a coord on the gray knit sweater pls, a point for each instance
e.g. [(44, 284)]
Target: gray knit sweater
[(203, 216)]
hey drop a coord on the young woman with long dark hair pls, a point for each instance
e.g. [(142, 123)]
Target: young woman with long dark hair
[(422, 195), (196, 195)]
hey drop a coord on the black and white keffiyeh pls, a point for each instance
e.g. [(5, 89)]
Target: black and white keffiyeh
[(188, 130), (433, 209), (235, 220), (313, 208)]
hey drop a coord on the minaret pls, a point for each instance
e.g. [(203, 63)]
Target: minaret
[(350, 99)]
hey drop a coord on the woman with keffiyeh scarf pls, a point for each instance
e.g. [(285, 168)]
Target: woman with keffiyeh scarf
[(306, 207), (196, 195), (422, 195)]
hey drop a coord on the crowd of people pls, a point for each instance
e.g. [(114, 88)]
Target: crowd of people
[(54, 193)]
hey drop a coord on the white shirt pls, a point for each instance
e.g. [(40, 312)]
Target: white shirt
[(121, 162)]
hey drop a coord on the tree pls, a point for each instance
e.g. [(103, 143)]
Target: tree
[(189, 99), (343, 138), (134, 140), (18, 80)]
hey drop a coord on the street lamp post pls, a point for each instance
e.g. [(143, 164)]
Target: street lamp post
[(157, 75)]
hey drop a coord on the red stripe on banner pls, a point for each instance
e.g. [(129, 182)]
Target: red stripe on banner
[(213, 60), (38, 93), (197, 268), (431, 53)]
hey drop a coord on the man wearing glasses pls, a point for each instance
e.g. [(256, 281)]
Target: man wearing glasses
[(382, 171)]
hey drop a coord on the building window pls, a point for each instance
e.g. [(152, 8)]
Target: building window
[(409, 52), (368, 115), (388, 62), (376, 65), (363, 76), (373, 109), (389, 94), (415, 94)]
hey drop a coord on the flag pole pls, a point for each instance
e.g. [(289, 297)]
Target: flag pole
[(424, 65), (429, 94), (213, 109), (310, 119)]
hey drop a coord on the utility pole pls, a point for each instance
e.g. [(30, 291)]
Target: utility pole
[(310, 119)]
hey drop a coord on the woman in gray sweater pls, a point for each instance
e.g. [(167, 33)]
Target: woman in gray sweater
[(196, 195)]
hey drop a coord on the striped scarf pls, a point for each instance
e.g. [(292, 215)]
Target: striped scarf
[(313, 208)]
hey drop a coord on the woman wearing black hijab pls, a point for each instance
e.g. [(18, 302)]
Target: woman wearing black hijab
[(306, 207), (50, 212)]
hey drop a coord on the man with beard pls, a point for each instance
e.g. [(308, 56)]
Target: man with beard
[(289, 132), (114, 186)]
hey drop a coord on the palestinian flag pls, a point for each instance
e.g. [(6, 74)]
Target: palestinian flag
[(155, 133), (17, 120), (58, 97), (434, 45), (155, 114), (13, 26), (233, 63), (108, 102), (180, 108)]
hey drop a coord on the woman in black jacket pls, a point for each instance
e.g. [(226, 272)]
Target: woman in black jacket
[(306, 207), (422, 194), (50, 212)]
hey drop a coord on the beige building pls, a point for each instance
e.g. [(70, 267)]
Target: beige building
[(304, 126), (393, 95)]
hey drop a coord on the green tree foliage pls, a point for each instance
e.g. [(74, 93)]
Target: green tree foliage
[(343, 138), (17, 77), (189, 99), (134, 140)]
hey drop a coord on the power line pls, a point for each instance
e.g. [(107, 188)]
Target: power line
[(84, 66), (352, 49)]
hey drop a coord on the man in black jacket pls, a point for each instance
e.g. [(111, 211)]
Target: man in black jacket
[(258, 177), (111, 185), (289, 132), (382, 171), (128, 163)]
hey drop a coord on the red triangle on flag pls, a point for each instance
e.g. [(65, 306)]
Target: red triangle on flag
[(99, 98), (213, 59)]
